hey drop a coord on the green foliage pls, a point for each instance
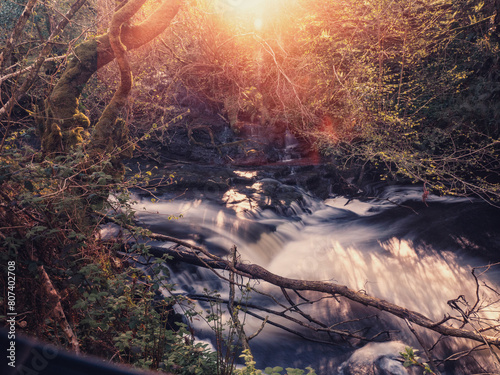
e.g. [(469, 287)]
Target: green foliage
[(407, 89), (403, 89), (119, 310), (250, 369), (411, 359), (50, 211)]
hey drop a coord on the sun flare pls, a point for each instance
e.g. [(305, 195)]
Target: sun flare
[(256, 13)]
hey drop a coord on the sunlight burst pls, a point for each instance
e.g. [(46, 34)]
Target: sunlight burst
[(255, 12)]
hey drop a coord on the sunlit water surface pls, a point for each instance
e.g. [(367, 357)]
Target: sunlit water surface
[(380, 247)]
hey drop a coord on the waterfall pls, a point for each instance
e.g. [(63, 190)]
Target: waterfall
[(382, 247), (290, 152)]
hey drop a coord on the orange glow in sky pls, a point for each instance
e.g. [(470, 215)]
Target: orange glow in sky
[(253, 12)]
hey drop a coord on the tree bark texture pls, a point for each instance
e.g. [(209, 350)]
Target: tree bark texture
[(62, 123)]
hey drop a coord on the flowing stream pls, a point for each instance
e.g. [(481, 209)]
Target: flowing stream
[(393, 247)]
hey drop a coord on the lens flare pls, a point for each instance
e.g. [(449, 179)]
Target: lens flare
[(254, 13)]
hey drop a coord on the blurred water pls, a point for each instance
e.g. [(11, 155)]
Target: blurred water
[(392, 247)]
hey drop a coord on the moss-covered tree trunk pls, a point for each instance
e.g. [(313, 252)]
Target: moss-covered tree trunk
[(62, 123)]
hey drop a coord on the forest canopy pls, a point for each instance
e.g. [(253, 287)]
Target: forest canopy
[(407, 88)]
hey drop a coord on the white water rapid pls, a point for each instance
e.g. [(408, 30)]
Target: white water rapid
[(418, 258)]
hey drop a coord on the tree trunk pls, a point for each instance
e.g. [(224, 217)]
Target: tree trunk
[(62, 123)]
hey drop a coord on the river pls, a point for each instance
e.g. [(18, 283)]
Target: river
[(391, 245)]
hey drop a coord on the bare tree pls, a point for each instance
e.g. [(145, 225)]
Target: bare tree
[(21, 90)]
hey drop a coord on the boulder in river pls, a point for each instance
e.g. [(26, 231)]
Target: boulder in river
[(377, 358)]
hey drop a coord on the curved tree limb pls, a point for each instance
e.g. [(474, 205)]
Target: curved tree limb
[(258, 272), (109, 132), (62, 122)]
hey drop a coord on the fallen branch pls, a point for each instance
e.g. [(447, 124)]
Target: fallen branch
[(257, 272), (200, 256), (58, 310)]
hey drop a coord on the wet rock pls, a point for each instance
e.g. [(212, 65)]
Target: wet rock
[(272, 194), (377, 358), (253, 160), (266, 186)]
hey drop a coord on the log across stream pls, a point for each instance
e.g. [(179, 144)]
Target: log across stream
[(391, 246)]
